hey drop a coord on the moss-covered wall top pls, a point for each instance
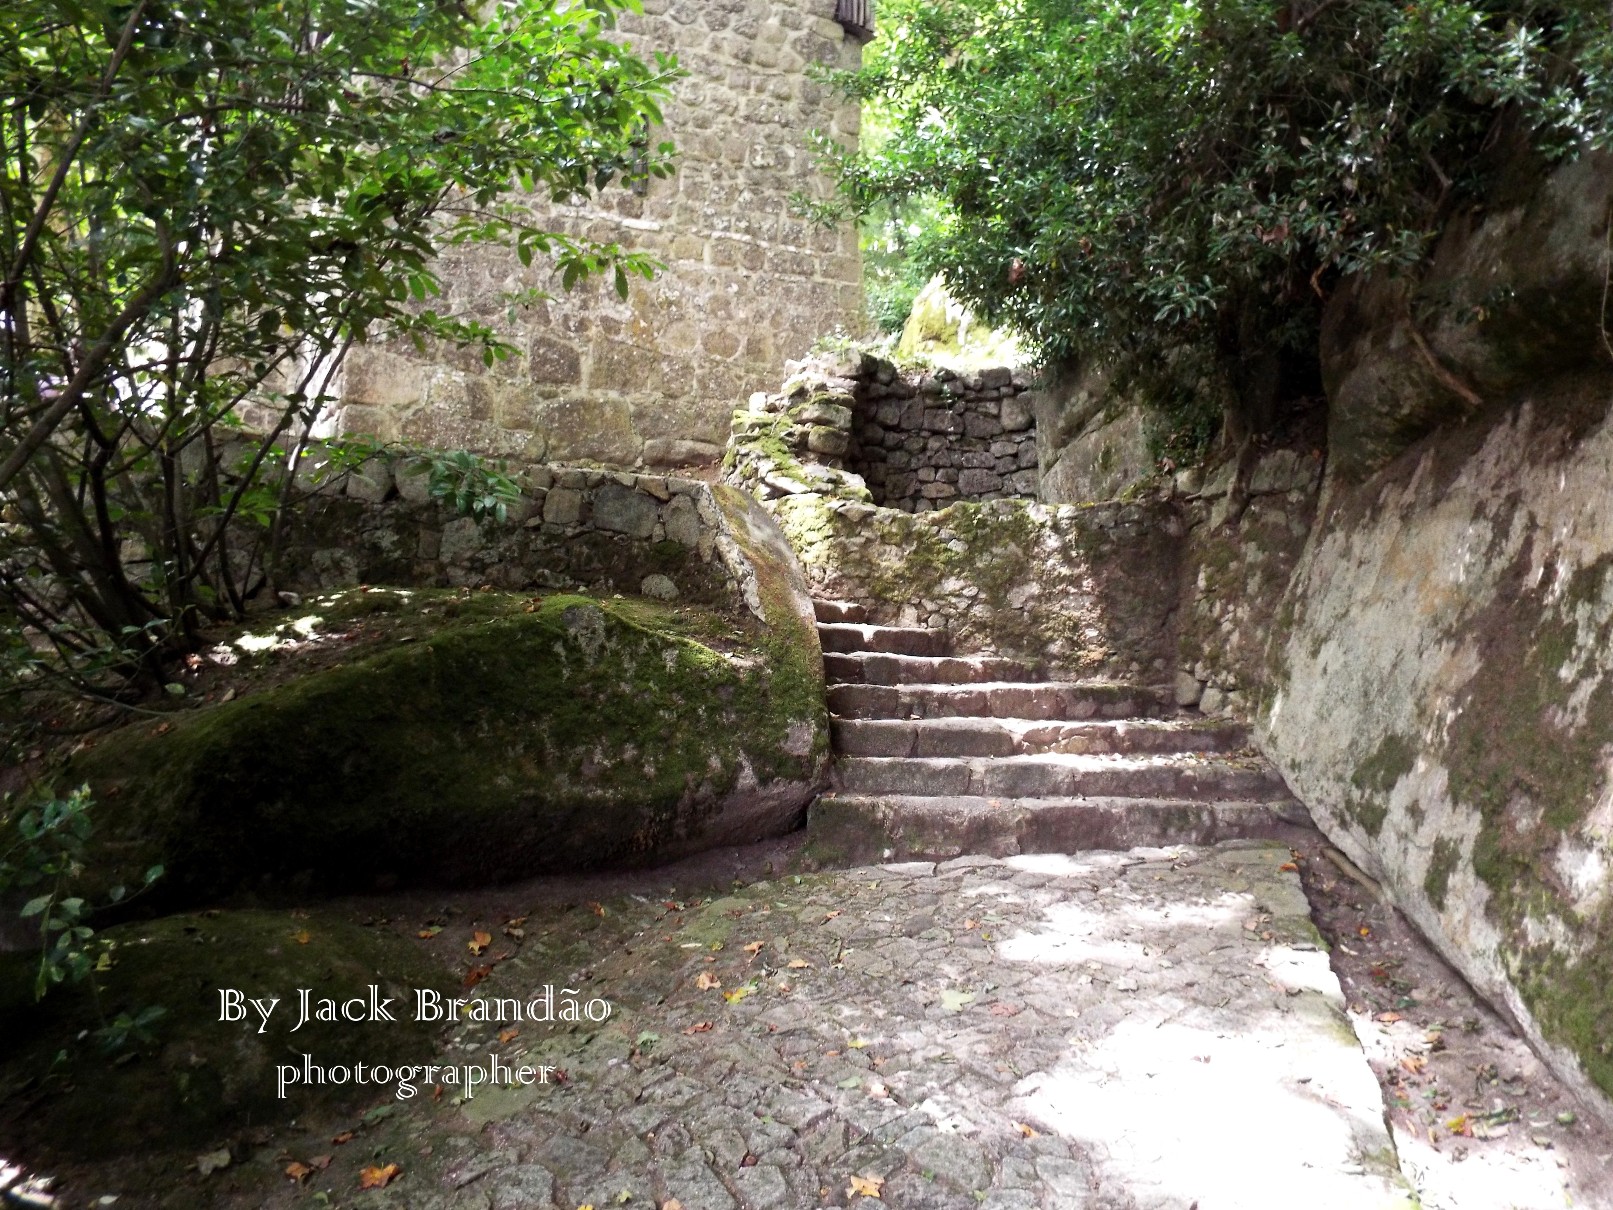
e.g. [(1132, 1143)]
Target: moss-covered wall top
[(1444, 704)]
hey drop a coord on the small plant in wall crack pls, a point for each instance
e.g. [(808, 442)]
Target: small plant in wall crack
[(477, 487)]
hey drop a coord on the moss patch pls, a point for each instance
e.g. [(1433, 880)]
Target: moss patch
[(1532, 776), (1447, 853), (563, 735)]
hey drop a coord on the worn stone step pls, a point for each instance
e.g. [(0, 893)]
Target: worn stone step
[(896, 640), (879, 668), (1053, 775), (839, 611), (848, 829), (1064, 700), (1020, 736)]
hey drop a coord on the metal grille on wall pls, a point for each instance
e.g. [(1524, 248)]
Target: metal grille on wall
[(856, 17)]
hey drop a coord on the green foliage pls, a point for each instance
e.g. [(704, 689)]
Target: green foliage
[(205, 207), (1174, 187), (477, 487), (49, 838)]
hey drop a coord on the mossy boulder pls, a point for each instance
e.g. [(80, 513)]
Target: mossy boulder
[(555, 735), (190, 1080)]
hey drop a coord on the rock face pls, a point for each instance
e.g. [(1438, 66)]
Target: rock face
[(541, 734), (1091, 446), (1515, 295), (1444, 705)]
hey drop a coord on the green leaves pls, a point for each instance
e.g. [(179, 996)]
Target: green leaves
[(207, 206), (1128, 181)]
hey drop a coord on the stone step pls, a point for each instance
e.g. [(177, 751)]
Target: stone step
[(897, 640), (839, 611), (856, 829), (1060, 776), (880, 668), (1063, 700), (1020, 736)]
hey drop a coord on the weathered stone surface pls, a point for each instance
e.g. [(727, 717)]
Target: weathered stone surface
[(1515, 294), (624, 510), (746, 285), (1444, 704)]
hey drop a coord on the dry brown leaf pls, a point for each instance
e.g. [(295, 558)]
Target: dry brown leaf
[(479, 942), (1414, 1064), (345, 1136), (1004, 1009), (828, 916), (506, 1036), (476, 974), (672, 1203), (699, 1027), (426, 934), (971, 924), (866, 1186), (302, 937), (706, 981), (378, 1178), (597, 908), (1388, 1018), (798, 964), (298, 1172), (754, 948), (1026, 1130)]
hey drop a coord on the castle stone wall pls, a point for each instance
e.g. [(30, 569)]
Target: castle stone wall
[(653, 380)]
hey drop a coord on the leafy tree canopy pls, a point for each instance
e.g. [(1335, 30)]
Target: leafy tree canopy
[(206, 204), (1176, 185)]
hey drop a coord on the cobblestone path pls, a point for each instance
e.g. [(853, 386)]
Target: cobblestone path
[(1152, 1029)]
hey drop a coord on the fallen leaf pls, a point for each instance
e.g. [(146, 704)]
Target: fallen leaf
[(754, 948), (1364, 931), (738, 994), (302, 937), (1026, 1130), (971, 924), (699, 1027), (798, 964), (856, 1044), (514, 934), (319, 1163), (672, 1203), (1388, 1018), (1289, 866), (597, 908), (426, 934), (1003, 1009), (378, 1178), (506, 1036), (345, 1136), (706, 981), (955, 1001), (1460, 1125), (865, 1186), (476, 974), (298, 1172), (479, 942), (828, 916), (210, 1162), (1414, 1064)]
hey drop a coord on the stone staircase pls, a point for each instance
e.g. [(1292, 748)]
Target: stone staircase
[(938, 755)]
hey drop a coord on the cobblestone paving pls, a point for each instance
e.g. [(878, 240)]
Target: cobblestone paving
[(1153, 1029)]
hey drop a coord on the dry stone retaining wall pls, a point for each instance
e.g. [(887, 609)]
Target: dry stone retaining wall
[(857, 428), (652, 380), (604, 531)]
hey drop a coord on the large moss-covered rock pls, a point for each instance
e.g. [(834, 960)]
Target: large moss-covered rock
[(564, 734), (1444, 705), (188, 1080)]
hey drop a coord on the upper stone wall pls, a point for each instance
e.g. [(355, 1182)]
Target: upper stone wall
[(653, 380)]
